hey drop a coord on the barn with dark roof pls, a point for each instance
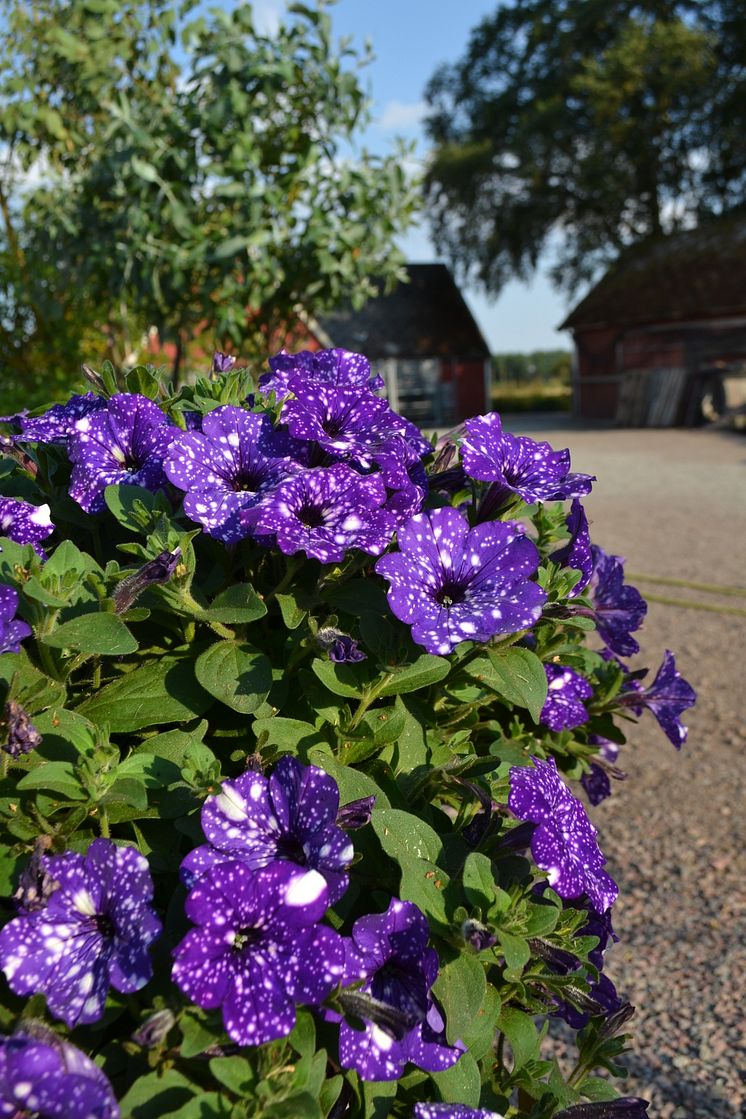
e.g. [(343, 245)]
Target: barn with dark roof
[(424, 341), (663, 327)]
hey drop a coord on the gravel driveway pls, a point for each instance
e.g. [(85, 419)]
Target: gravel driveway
[(674, 503)]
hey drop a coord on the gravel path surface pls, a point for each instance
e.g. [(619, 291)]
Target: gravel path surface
[(674, 503)]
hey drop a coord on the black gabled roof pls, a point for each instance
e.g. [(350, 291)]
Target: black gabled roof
[(424, 317), (694, 274)]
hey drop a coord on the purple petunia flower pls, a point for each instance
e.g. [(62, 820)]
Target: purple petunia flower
[(617, 609), (23, 737), (228, 468), (602, 990), (94, 932), (452, 1111), (668, 695), (339, 368), (597, 784), (326, 512), (389, 952), (12, 630), (45, 1076), (339, 647), (124, 444), (58, 424), (517, 465), (25, 523), (452, 583), (404, 475), (290, 816), (566, 691), (257, 950), (564, 843), (577, 552), (342, 421), (222, 363)]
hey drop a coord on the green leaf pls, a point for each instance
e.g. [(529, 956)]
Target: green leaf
[(341, 679), (134, 507), (460, 987), (515, 950), (236, 605), (129, 791), (598, 1090), (479, 1034), (57, 777), (479, 881), (461, 1083), (164, 691), (352, 783), (421, 673), (424, 883), (197, 1033), (236, 674), (522, 1034), (516, 675), (403, 834), (358, 597), (294, 606), (235, 1073), (286, 733), (156, 1095), (105, 634)]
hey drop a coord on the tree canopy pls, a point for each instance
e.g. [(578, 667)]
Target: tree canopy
[(192, 174), (581, 127)]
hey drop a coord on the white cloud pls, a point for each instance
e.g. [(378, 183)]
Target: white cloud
[(399, 114)]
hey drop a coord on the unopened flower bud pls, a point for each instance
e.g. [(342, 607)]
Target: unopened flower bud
[(340, 647), (356, 814), (35, 885), (631, 1107), (154, 1029), (222, 363), (158, 570), (477, 935)]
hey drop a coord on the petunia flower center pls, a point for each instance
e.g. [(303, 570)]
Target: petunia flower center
[(246, 937), (450, 593), (104, 925), (291, 848), (311, 516)]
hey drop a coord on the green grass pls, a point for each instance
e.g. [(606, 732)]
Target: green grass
[(536, 396)]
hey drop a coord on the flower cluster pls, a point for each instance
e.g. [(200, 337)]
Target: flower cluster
[(319, 605)]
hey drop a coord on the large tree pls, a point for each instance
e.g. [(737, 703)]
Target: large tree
[(197, 176), (579, 127)]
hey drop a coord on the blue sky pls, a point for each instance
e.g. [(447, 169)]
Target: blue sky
[(410, 38)]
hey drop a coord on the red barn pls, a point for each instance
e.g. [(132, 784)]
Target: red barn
[(663, 327)]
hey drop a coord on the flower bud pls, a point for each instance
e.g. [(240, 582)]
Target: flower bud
[(23, 737), (356, 814), (158, 570), (341, 648), (154, 1029), (477, 935), (631, 1107)]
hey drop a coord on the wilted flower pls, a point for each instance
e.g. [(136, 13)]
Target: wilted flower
[(340, 647), (158, 570), (155, 1029), (222, 363), (23, 737), (617, 609)]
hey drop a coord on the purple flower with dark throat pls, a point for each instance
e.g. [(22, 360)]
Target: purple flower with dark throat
[(342, 421), (566, 691), (451, 583), (58, 424), (44, 1076), (668, 695), (12, 630), (327, 512), (93, 932), (228, 468), (577, 552), (517, 465), (124, 444), (288, 817), (25, 523), (388, 952), (338, 368), (617, 609), (258, 950), (564, 843)]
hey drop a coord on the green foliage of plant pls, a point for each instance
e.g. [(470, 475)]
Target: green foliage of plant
[(582, 127), (163, 168)]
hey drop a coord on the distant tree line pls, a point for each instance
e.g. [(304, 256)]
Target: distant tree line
[(537, 366)]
